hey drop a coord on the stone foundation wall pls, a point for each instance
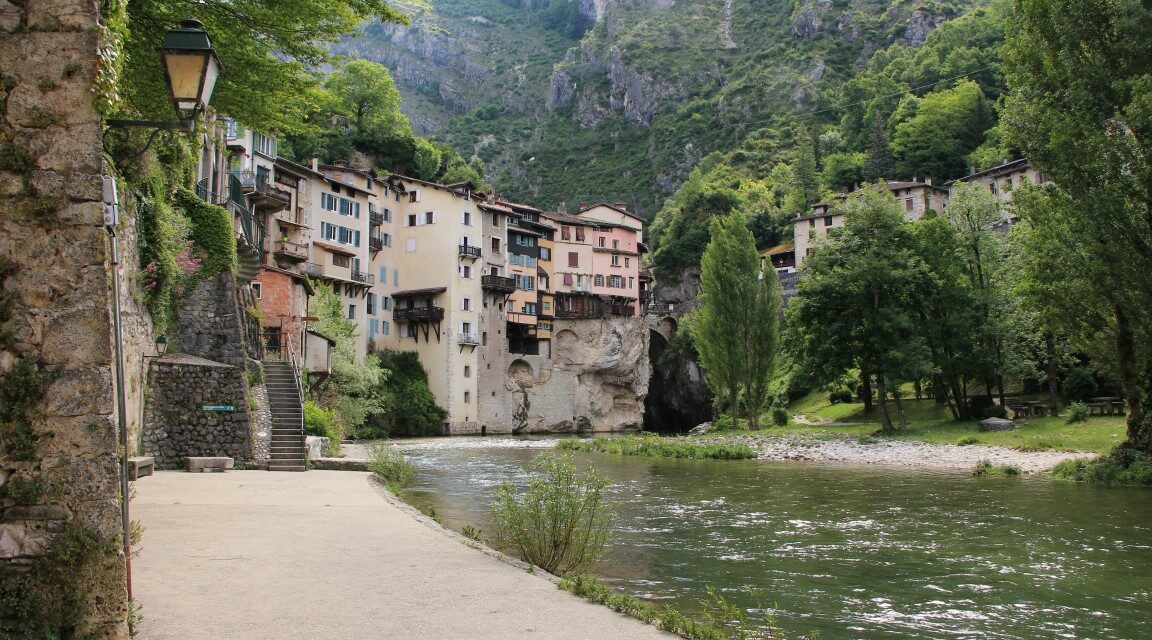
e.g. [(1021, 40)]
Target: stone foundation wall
[(595, 381), (58, 438), (176, 423), (214, 323)]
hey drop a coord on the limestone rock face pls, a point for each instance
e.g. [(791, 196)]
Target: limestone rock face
[(810, 18), (596, 380)]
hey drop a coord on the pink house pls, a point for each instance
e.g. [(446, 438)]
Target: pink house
[(617, 243)]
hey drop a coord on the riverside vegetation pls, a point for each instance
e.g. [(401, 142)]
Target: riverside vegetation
[(660, 447)]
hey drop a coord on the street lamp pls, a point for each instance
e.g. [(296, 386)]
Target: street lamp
[(191, 68)]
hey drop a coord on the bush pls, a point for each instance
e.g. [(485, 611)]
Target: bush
[(658, 447), (1078, 383), (723, 423), (967, 440), (318, 421), (562, 522), (391, 466), (798, 386), (840, 396), (780, 416), (1076, 412), (977, 404), (1124, 467), (994, 411)]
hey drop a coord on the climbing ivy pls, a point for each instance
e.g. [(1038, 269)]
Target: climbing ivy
[(113, 33), (212, 234)]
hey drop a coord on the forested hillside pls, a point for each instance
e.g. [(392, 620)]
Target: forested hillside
[(620, 99)]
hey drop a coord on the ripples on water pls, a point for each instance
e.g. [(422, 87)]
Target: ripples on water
[(852, 552)]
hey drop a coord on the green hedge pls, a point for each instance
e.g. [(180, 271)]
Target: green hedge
[(211, 232)]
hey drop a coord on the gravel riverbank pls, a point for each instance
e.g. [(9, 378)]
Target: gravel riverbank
[(899, 453), (893, 453)]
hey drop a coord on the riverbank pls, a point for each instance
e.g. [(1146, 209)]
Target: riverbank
[(252, 555), (894, 453)]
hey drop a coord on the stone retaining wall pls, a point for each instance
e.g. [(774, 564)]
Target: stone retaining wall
[(177, 425)]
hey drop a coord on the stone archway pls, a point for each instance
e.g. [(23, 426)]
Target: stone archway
[(521, 372)]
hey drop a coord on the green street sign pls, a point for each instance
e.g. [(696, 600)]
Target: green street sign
[(219, 407)]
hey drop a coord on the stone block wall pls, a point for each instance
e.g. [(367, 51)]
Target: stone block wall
[(215, 325), (176, 425), (58, 462)]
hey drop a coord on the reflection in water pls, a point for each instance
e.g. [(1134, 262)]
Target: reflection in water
[(853, 552)]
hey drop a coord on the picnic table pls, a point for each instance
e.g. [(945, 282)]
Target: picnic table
[(1025, 408), (1106, 405)]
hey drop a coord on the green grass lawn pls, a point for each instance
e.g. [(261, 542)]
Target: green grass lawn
[(929, 422)]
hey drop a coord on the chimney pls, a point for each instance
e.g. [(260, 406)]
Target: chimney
[(561, 207), (623, 206), (583, 205), (316, 164), (915, 179), (340, 163)]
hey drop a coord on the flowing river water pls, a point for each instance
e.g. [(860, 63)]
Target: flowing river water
[(851, 552)]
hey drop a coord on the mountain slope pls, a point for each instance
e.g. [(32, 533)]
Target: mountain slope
[(619, 99)]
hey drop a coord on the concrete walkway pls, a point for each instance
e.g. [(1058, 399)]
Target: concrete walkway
[(321, 555)]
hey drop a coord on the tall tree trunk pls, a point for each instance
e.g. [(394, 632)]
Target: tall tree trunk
[(866, 389), (1139, 431), (960, 394), (900, 408), (1000, 389), (1053, 378), (919, 389), (882, 406), (940, 392)]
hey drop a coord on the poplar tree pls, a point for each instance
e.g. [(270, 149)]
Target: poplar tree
[(735, 328)]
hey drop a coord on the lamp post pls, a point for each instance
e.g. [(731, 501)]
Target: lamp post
[(191, 68)]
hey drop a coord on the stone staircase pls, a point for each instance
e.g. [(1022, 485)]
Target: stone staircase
[(287, 417), (250, 258)]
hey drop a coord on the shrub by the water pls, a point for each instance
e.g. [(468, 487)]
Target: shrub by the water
[(658, 447), (1076, 412), (723, 423), (1123, 467), (780, 416), (561, 522), (391, 466)]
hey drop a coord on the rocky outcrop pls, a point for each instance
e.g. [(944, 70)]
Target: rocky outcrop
[(920, 24), (595, 380), (809, 18), (677, 397)]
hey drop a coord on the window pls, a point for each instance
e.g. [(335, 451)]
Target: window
[(828, 220), (373, 328), (547, 306), (615, 244), (387, 213), (627, 262), (386, 303), (631, 283), (466, 328), (530, 308), (465, 271), (414, 195), (616, 282), (495, 245), (573, 259), (598, 281), (371, 305), (341, 261), (615, 260), (907, 205), (525, 241), (411, 220), (351, 312), (383, 275), (411, 245), (256, 290), (263, 144), (579, 234), (385, 327), (467, 397), (565, 233), (525, 283), (467, 371), (396, 274), (429, 217), (484, 339), (466, 218), (386, 238), (600, 242), (410, 330), (495, 219), (466, 305), (545, 253)]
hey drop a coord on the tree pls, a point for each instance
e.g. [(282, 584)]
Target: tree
[(948, 125), (736, 325), (365, 92), (856, 304), (351, 388), (879, 163), (843, 171), (805, 189), (1081, 110), (267, 53)]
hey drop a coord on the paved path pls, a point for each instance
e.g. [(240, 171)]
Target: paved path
[(252, 555)]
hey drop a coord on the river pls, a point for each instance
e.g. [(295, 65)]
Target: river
[(851, 552)]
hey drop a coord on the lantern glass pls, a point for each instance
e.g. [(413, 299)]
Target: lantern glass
[(185, 72)]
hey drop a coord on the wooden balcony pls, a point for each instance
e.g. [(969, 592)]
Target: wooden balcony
[(293, 251), (419, 314), (363, 278), (376, 219), (469, 251), (270, 197), (375, 244), (499, 284)]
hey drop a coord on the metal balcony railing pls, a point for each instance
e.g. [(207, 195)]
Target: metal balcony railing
[(365, 278), (285, 248), (468, 338), (375, 244), (376, 219), (418, 314), (498, 283), (469, 251)]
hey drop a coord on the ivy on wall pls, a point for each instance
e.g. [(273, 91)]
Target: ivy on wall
[(212, 233)]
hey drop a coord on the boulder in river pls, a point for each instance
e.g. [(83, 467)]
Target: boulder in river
[(997, 424)]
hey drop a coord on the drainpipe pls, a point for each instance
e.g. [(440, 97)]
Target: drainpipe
[(111, 220)]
